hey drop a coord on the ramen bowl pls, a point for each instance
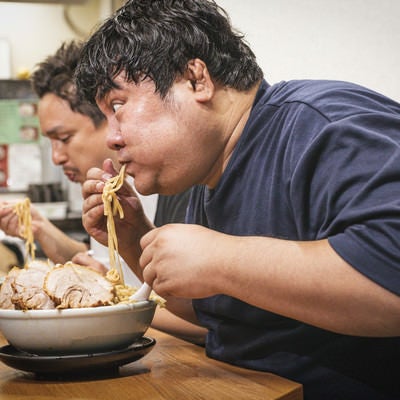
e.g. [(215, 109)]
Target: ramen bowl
[(77, 330)]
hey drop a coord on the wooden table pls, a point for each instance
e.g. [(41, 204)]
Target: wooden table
[(173, 370)]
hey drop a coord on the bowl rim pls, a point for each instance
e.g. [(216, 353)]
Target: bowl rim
[(76, 312)]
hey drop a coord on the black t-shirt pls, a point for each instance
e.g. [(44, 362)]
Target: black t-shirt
[(317, 159), (171, 209)]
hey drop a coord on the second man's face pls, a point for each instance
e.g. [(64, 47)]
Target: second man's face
[(76, 143)]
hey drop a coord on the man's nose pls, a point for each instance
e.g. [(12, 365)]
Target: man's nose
[(114, 138), (58, 153)]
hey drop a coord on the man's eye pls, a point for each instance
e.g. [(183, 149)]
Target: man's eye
[(64, 139), (116, 106)]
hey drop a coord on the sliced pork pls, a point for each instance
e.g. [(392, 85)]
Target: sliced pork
[(28, 292), (7, 290), (75, 286), (22, 288)]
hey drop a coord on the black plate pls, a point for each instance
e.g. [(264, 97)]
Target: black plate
[(77, 363)]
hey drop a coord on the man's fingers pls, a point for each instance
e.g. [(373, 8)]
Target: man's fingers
[(148, 238)]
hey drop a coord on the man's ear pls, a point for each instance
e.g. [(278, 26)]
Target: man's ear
[(199, 80)]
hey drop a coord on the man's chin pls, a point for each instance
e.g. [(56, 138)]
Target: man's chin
[(145, 190), (75, 178)]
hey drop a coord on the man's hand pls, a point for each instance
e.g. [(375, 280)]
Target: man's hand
[(9, 219), (83, 258), (182, 260), (129, 229)]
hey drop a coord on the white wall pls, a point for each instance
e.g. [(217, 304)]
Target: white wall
[(356, 40), (35, 30)]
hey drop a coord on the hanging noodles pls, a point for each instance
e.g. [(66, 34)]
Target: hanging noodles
[(23, 211), (115, 275), (112, 206)]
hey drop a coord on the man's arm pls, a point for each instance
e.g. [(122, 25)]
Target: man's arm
[(57, 246), (306, 281)]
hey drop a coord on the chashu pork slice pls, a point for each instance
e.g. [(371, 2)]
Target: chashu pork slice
[(74, 286), (7, 290), (27, 285)]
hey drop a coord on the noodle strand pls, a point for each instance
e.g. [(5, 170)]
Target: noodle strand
[(112, 207), (23, 211)]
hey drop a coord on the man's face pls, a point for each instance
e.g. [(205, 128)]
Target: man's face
[(168, 144), (76, 143)]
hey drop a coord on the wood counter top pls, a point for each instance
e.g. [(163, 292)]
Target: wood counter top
[(173, 370)]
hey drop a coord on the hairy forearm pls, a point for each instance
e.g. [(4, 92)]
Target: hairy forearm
[(309, 282)]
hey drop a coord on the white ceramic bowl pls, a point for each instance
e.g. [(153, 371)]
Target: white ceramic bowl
[(78, 330)]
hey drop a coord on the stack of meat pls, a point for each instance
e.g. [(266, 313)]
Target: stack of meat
[(41, 286)]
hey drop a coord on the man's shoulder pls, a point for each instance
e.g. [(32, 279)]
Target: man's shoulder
[(333, 99), (311, 90)]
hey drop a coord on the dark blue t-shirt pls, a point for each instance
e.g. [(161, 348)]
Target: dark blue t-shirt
[(317, 159)]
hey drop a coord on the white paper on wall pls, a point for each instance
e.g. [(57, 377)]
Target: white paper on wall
[(24, 165)]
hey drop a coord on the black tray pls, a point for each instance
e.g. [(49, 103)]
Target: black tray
[(77, 363)]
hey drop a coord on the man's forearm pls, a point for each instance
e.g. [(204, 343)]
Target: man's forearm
[(56, 245)]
